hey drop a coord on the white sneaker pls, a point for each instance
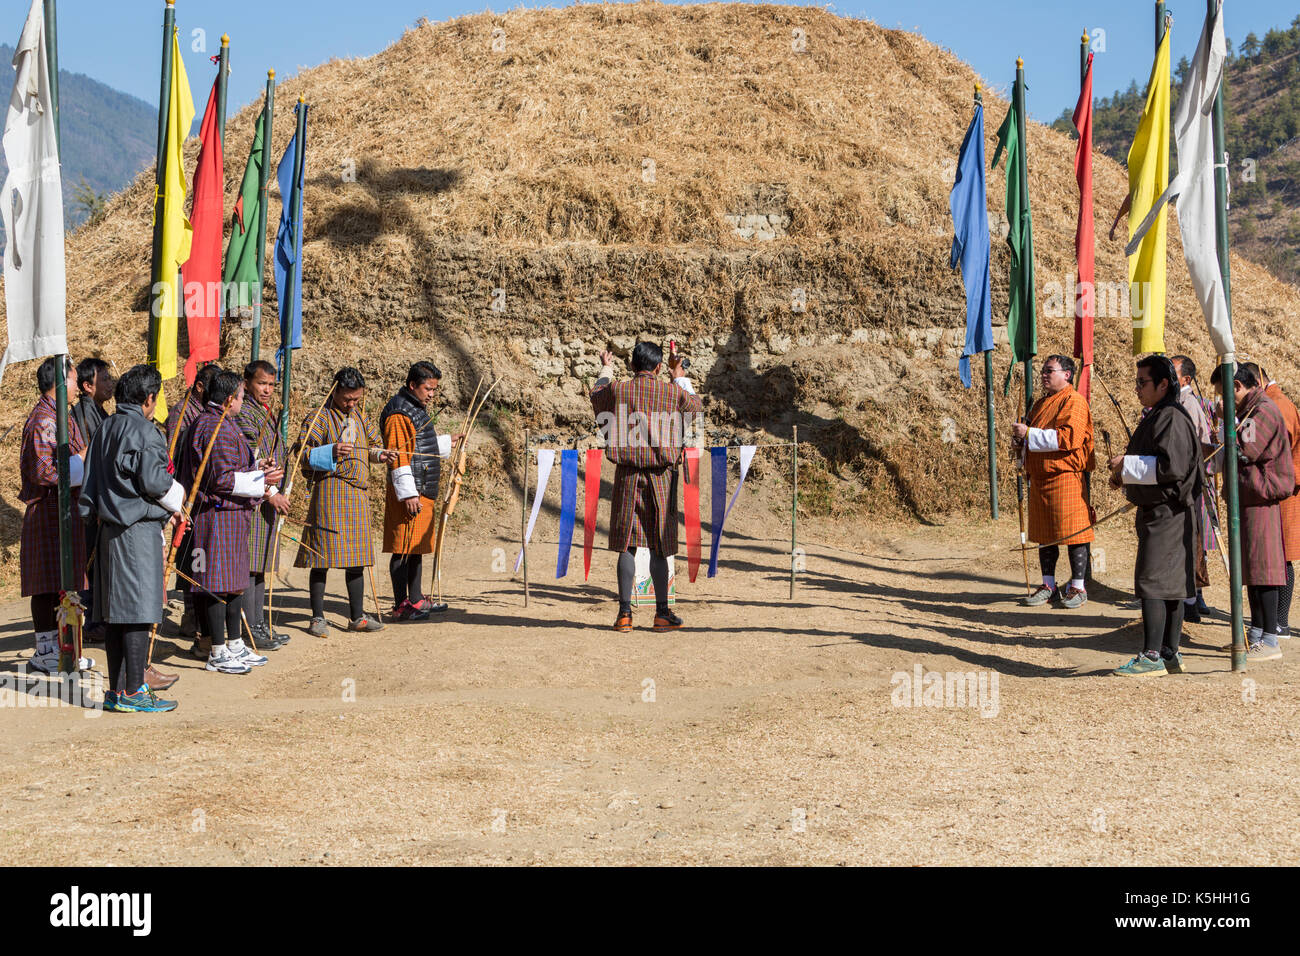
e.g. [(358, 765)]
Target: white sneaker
[(48, 662), (223, 661), (242, 652)]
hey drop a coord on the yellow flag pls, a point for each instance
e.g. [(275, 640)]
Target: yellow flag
[(176, 229), (1148, 178)]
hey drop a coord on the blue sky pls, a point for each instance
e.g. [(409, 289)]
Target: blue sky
[(118, 41)]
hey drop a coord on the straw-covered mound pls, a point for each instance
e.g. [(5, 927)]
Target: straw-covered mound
[(508, 194)]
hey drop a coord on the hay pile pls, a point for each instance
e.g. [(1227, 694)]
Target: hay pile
[(586, 168)]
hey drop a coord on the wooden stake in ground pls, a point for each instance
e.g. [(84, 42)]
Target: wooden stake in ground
[(523, 520), (794, 510)]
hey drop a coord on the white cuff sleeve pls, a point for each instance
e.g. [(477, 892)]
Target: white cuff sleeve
[(444, 446), (403, 482), (685, 383), (606, 374), (1139, 470), (249, 484), (272, 491), (1042, 439), (76, 471), (174, 500)]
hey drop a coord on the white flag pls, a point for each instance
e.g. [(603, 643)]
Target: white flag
[(545, 462), (32, 207), (1194, 185)]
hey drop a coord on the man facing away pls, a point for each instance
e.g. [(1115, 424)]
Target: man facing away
[(644, 510)]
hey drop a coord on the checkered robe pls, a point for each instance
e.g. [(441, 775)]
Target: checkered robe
[(1208, 416), (191, 408), (405, 533), (1058, 505), (1291, 506), (1266, 479), (217, 555), (339, 523), (643, 513), (38, 560), (259, 428)]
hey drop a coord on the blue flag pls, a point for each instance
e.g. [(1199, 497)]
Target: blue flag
[(718, 509), (568, 507), (970, 243), (288, 246)]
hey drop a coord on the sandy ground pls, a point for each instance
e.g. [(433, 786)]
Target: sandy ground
[(767, 731)]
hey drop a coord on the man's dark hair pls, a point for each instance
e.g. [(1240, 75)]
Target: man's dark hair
[(224, 384), (348, 379), (261, 365), (1184, 363), (421, 372), (135, 387), (88, 370), (1254, 370), (1066, 363), (1162, 370), (1245, 375), (203, 379), (646, 357), (45, 374)]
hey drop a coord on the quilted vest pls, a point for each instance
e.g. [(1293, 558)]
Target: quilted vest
[(426, 471)]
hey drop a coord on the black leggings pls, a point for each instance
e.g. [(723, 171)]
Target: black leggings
[(406, 570), (1263, 606), (44, 607), (1162, 626), (627, 580), (1047, 558), (127, 646), (223, 620), (356, 592), (1284, 599), (255, 600)]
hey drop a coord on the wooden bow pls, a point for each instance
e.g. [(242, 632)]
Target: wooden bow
[(457, 463)]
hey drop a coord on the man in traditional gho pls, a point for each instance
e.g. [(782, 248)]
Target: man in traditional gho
[(39, 554), (230, 488), (1291, 505), (1161, 473), (643, 513), (259, 426), (1201, 412), (1266, 477), (95, 387), (411, 507), (1056, 449), (129, 498), (338, 448)]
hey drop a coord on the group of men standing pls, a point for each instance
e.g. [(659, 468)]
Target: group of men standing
[(1164, 473), (213, 486)]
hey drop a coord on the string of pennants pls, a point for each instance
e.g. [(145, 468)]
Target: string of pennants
[(720, 506)]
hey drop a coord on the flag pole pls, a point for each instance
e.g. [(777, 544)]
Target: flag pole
[(63, 449), (1227, 369), (267, 112), (1024, 213), (295, 274), (1160, 22), (169, 25), (223, 76), (1084, 44), (988, 397)]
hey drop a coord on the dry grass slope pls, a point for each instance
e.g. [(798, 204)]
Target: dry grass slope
[(526, 169)]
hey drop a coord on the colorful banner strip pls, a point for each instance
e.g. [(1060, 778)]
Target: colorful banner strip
[(591, 501), (545, 462), (720, 492), (693, 512), (568, 506)]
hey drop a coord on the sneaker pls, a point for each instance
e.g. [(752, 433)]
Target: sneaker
[(1174, 665), (666, 620), (318, 627), (143, 701), (48, 662), (263, 632), (1191, 615), (428, 607), (263, 640), (1041, 596), (366, 624), (623, 623), (110, 700), (401, 612), (245, 653), (1142, 666), (224, 662), (1284, 632), (1259, 651), (1073, 597)]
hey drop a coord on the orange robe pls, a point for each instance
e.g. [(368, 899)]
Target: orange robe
[(405, 533), (1290, 506), (1058, 505)]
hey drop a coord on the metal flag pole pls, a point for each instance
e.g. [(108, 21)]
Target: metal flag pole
[(268, 112), (164, 98), (988, 398), (223, 76), (794, 510)]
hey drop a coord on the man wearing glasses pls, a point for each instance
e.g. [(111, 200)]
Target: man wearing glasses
[(1056, 449)]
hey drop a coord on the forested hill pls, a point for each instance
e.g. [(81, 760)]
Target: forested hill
[(1262, 116)]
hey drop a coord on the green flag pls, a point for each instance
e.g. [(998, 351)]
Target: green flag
[(241, 275), (1022, 325)]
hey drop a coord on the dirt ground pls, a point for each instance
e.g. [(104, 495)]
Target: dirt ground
[(766, 732)]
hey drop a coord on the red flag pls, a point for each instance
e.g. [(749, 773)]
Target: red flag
[(590, 501), (693, 512), (202, 273), (1085, 303)]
